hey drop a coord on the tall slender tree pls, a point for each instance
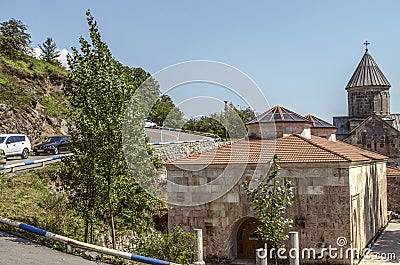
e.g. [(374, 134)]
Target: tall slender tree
[(49, 51), (98, 178)]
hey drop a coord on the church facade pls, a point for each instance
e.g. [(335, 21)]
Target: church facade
[(370, 124)]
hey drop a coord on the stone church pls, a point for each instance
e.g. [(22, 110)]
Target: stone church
[(370, 124), (340, 189)]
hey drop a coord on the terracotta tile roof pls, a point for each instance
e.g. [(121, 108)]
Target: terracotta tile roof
[(367, 73), (290, 149), (392, 172), (278, 114), (317, 122)]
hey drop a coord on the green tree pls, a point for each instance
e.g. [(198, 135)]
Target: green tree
[(14, 39), (270, 197), (165, 113), (98, 179), (49, 51), (229, 123)]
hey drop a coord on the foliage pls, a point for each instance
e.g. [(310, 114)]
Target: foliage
[(49, 51), (22, 81), (270, 198), (14, 40), (176, 246), (29, 197), (230, 123), (98, 179), (55, 104), (164, 113)]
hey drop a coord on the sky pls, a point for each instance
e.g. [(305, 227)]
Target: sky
[(301, 54)]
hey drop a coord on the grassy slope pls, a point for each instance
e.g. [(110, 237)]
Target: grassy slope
[(27, 80), (29, 197)]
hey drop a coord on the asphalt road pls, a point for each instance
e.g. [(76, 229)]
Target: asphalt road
[(17, 251), (157, 135), (15, 160)]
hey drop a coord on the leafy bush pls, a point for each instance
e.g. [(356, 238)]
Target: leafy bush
[(176, 246)]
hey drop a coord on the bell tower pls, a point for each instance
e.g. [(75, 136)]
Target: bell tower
[(368, 90)]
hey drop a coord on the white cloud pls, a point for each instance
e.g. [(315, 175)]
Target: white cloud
[(63, 57), (36, 52)]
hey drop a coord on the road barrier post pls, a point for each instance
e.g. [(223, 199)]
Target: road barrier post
[(69, 249), (200, 259), (262, 256)]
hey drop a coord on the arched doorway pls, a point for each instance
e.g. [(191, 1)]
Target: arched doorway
[(248, 240)]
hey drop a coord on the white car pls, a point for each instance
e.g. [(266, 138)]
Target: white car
[(15, 145), (149, 124)]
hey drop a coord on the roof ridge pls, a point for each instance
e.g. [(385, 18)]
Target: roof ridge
[(323, 123), (365, 121), (361, 149), (322, 147)]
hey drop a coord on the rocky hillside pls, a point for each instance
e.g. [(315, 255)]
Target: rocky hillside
[(31, 98)]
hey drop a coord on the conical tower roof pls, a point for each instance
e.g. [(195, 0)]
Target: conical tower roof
[(278, 114), (367, 74)]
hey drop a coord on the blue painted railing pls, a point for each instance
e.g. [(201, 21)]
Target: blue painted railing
[(76, 243), (216, 137), (40, 161), (179, 142)]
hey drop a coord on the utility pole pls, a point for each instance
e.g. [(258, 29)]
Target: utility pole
[(226, 120)]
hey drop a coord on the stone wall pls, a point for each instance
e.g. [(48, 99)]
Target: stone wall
[(328, 133), (368, 191), (393, 189), (268, 130), (321, 209), (170, 152), (377, 136), (366, 101)]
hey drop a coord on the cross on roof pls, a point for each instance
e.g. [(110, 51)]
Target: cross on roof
[(366, 43)]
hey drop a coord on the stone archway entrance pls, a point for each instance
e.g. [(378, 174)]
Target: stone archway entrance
[(248, 240)]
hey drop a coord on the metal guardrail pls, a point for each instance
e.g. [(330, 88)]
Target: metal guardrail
[(179, 142), (40, 162), (76, 243), (216, 137)]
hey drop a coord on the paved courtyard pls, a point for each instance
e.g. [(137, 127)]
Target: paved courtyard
[(386, 249)]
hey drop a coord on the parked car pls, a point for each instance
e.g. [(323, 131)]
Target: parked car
[(149, 124), (53, 145), (15, 145)]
